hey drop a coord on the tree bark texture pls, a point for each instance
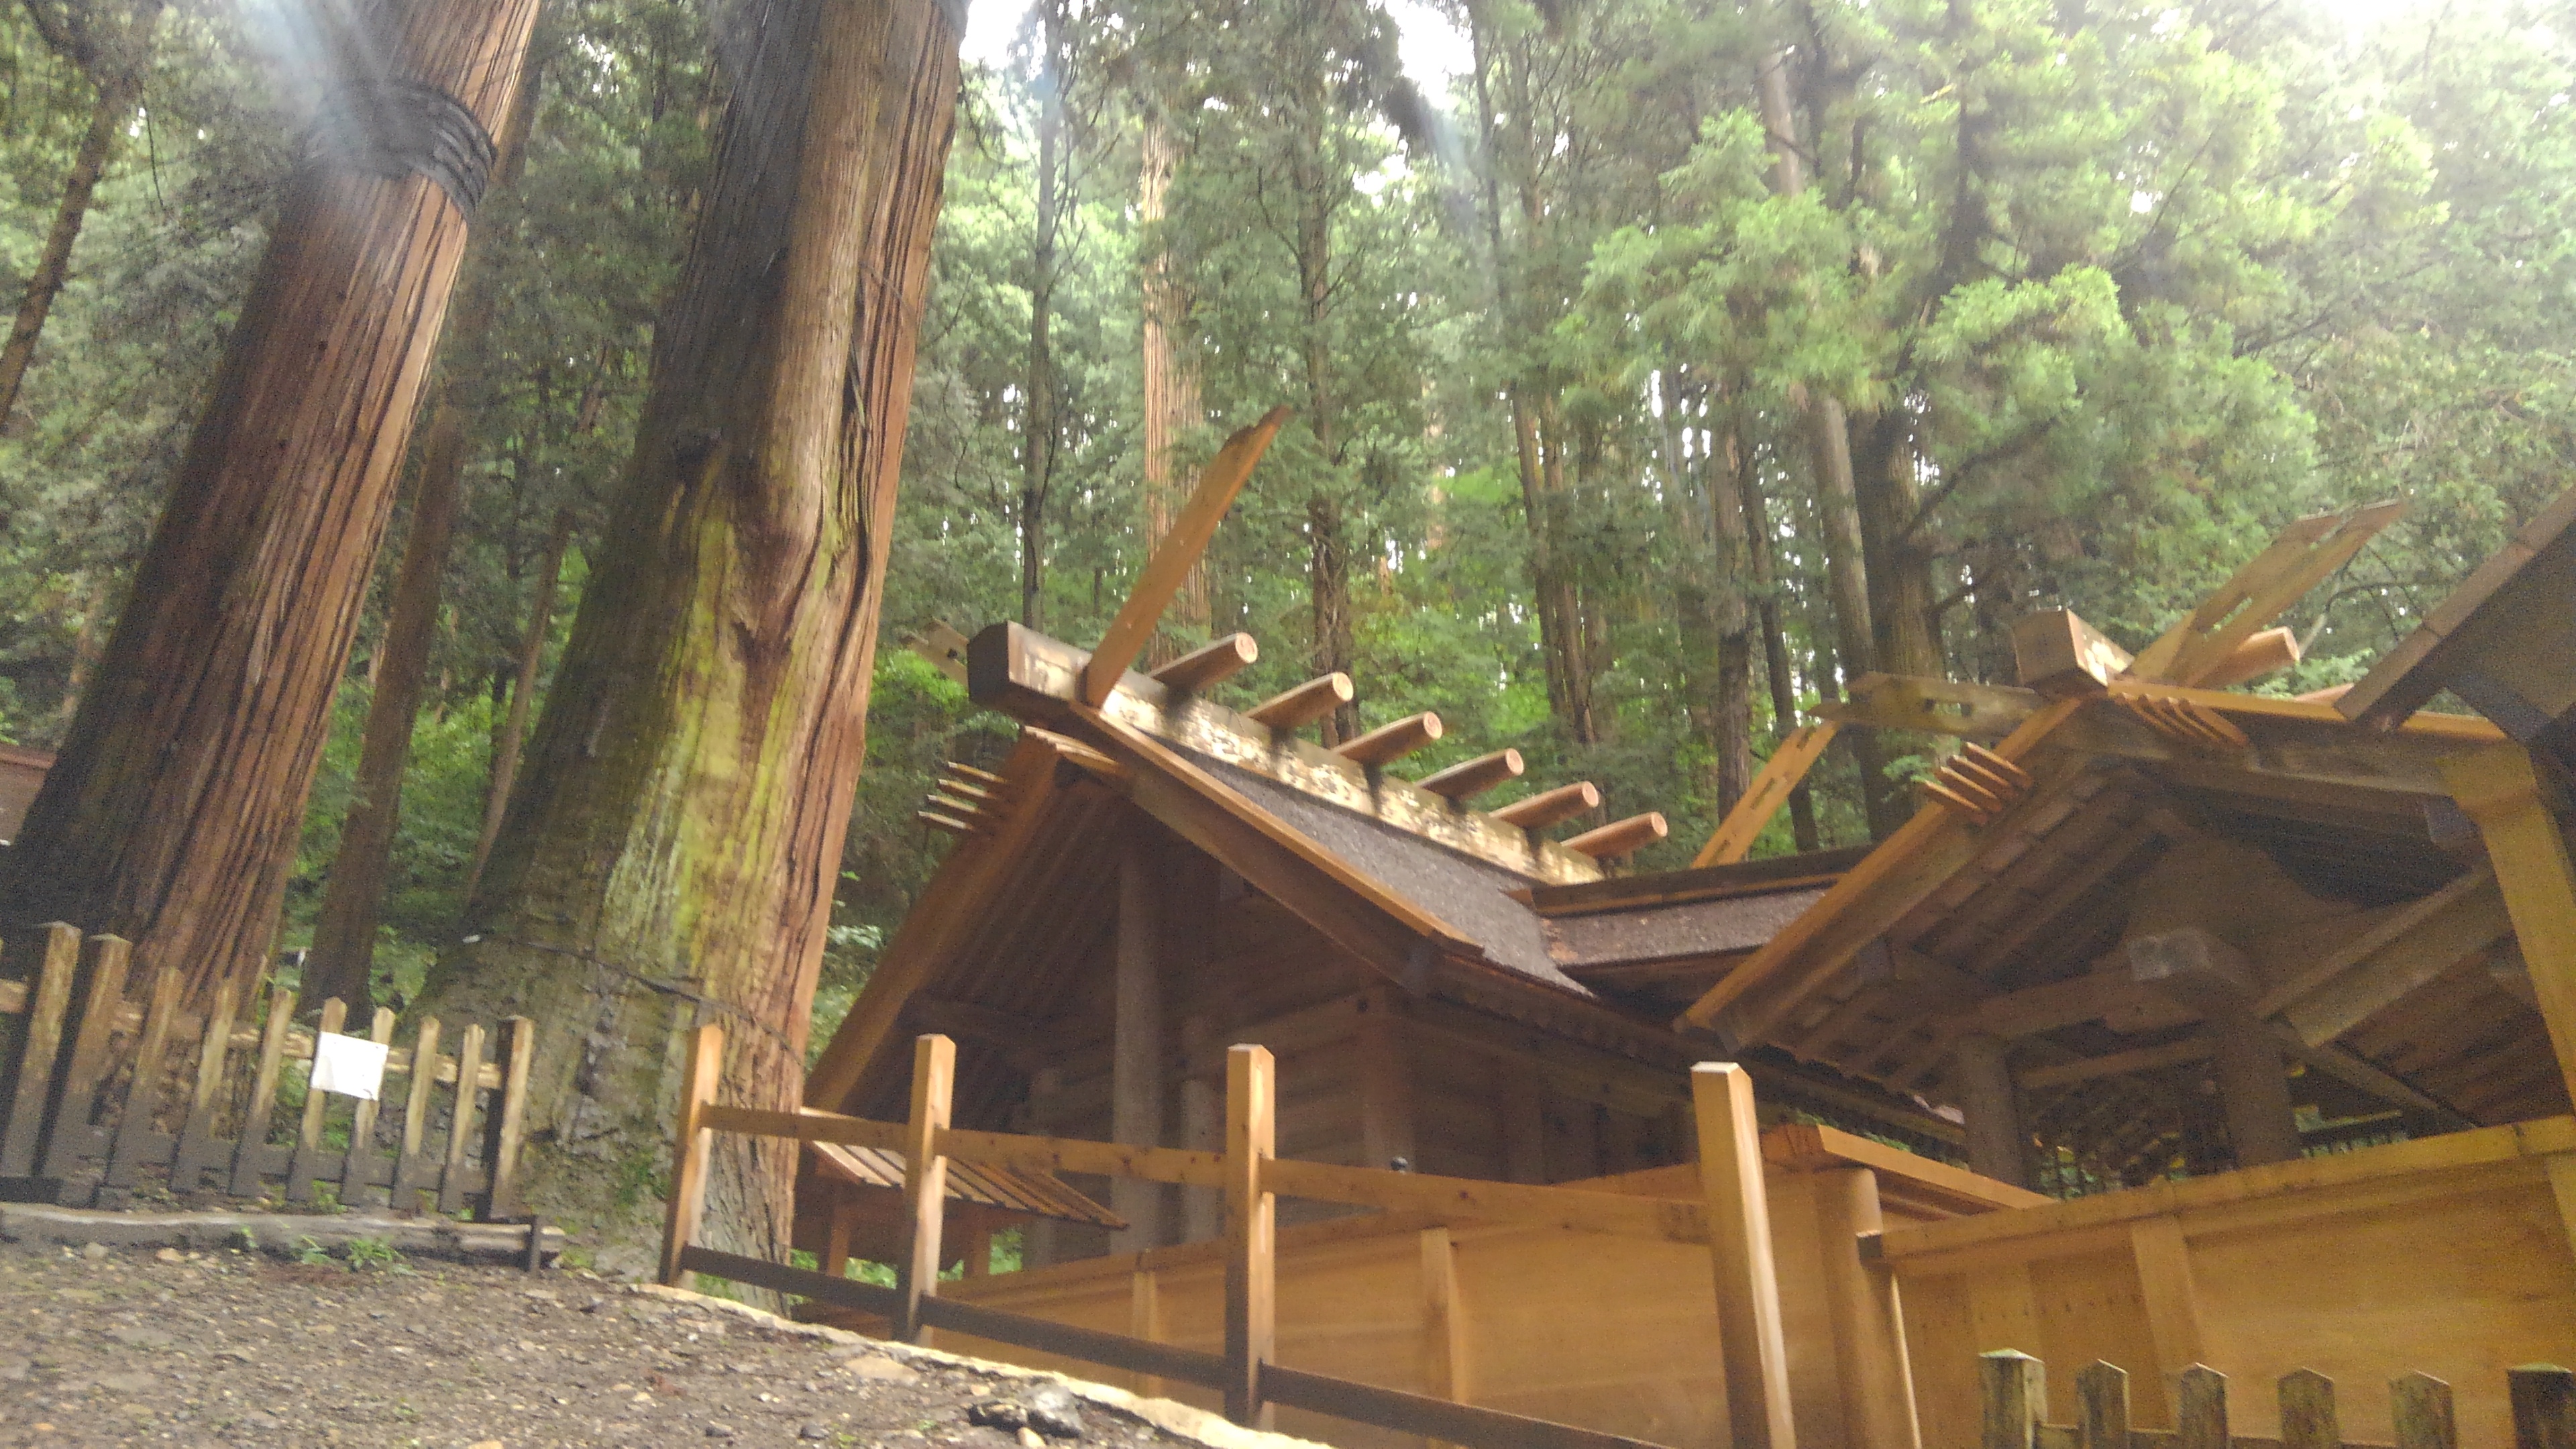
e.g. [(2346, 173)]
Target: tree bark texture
[(119, 79), (1172, 405), (523, 690), (172, 815), (343, 958), (671, 853)]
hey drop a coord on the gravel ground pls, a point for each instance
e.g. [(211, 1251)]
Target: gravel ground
[(137, 1346)]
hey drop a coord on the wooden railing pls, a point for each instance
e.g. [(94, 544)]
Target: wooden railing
[(1731, 1219), (74, 1121), (2014, 1389)]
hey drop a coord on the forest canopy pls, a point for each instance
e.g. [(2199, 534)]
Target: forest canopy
[(1658, 366)]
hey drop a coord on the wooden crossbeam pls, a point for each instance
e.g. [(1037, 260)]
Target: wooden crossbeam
[(1295, 708), (1210, 664), (1175, 555), (1620, 837), (1474, 777), (1548, 807), (2197, 649), (1391, 742), (1789, 763)]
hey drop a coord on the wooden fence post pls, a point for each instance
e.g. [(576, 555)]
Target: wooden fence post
[(408, 1161), (197, 1140), (2102, 1407), (2200, 1409), (1739, 1245), (143, 1092), (689, 1147), (508, 1125), (2013, 1390), (1251, 1231), (44, 1041), (250, 1153), (2308, 1411), (925, 1180), (2421, 1405), (73, 1137), (307, 1159), (2544, 1406), (460, 1123)]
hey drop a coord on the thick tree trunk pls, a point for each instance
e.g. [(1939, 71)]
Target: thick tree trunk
[(1904, 599), (1172, 404), (1041, 435), (171, 818), (344, 935), (118, 89), (523, 691), (671, 855)]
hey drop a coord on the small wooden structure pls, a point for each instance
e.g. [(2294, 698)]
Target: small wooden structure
[(1648, 1308), (121, 1096), (1145, 883)]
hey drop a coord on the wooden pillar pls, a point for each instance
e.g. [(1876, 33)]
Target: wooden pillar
[(1202, 1129), (925, 1182), (1981, 1079), (836, 1233), (1869, 1328), (689, 1153), (1444, 1321), (1251, 1231), (2254, 1089), (1145, 1321), (1386, 1085), (1040, 1241), (2499, 789), (1136, 1053), (1739, 1244), (2162, 1260)]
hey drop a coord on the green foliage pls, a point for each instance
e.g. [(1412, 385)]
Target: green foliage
[(2109, 293)]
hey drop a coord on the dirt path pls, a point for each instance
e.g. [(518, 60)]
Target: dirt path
[(132, 1346)]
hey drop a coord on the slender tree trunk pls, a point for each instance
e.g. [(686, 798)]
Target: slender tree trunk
[(344, 934), (1328, 550), (1775, 639), (671, 855), (172, 816), (1837, 497), (1041, 435), (1172, 404), (342, 961), (523, 690), (118, 89), (1711, 604)]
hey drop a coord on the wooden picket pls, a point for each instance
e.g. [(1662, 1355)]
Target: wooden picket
[(86, 1116), (2014, 1390)]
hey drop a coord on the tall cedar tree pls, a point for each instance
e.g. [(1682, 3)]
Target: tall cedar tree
[(670, 854), (171, 817), (344, 936)]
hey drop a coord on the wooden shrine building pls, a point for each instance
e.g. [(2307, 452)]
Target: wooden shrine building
[(1141, 885)]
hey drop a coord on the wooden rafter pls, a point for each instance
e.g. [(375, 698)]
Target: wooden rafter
[(1174, 556), (1789, 763)]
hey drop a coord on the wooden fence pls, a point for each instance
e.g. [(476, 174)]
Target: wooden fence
[(122, 1095), (2014, 1400), (1730, 1220)]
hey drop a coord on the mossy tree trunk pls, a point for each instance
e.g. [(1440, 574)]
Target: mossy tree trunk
[(172, 815), (670, 853)]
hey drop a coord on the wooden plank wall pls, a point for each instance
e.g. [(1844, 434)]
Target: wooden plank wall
[(2448, 1256), (1617, 1334)]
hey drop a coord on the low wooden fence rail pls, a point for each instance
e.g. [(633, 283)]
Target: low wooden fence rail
[(89, 1096), (1732, 1220), (2014, 1388)]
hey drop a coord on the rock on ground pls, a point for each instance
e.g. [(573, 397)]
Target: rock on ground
[(130, 1346)]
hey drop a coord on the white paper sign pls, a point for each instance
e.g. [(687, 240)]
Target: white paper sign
[(349, 1065)]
